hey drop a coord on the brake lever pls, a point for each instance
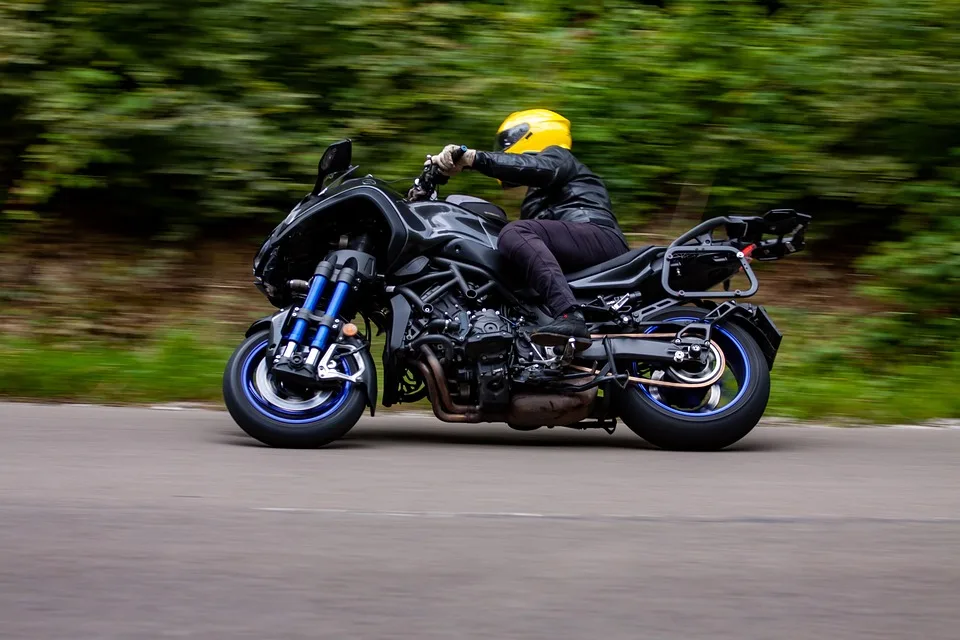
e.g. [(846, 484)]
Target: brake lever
[(424, 185)]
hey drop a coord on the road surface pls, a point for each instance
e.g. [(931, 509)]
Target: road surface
[(137, 523)]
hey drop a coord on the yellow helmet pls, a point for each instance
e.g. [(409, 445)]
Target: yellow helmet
[(532, 131)]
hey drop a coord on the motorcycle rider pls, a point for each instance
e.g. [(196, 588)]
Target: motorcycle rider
[(567, 222)]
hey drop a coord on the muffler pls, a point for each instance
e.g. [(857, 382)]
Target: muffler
[(550, 409)]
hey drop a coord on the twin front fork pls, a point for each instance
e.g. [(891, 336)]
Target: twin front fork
[(290, 357)]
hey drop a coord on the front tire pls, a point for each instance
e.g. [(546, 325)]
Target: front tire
[(694, 420), (279, 417)]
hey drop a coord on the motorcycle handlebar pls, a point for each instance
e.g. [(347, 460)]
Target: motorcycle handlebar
[(431, 176)]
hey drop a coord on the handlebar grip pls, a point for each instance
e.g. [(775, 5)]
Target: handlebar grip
[(458, 153)]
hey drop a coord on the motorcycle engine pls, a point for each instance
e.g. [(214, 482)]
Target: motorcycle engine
[(479, 374), (489, 333), (488, 345)]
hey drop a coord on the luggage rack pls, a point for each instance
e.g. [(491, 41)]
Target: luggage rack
[(744, 242)]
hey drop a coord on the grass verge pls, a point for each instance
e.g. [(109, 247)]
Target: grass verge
[(817, 374), (823, 370), (177, 365)]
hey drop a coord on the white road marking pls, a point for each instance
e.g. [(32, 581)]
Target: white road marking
[(619, 517), (771, 422)]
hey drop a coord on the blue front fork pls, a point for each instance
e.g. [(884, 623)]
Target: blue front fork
[(344, 281), (333, 310), (320, 278), (310, 305)]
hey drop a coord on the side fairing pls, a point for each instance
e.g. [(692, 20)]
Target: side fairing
[(314, 227), (398, 232)]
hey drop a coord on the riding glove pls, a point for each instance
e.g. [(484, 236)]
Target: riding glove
[(445, 161)]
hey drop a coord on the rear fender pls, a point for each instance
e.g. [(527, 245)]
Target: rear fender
[(755, 321)]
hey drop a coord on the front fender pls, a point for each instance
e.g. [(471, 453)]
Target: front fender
[(275, 325), (258, 325), (370, 380)]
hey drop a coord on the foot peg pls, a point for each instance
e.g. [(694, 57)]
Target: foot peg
[(567, 330), (575, 343)]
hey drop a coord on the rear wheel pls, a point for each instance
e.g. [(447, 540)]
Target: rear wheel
[(707, 418), (285, 417)]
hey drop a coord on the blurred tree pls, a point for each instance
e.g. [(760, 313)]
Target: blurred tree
[(176, 115)]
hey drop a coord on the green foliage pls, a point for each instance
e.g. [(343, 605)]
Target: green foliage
[(172, 116), (921, 272), (182, 112)]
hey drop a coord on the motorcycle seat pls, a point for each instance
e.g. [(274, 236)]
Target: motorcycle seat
[(613, 263)]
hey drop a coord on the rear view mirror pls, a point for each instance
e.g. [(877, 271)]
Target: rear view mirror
[(334, 160)]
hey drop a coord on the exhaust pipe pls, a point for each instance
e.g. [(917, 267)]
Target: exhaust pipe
[(526, 410), (434, 393), (441, 383)]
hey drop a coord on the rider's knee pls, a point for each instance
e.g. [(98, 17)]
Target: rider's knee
[(512, 235), (508, 238)]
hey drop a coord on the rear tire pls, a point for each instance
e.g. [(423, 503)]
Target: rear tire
[(301, 423), (669, 426)]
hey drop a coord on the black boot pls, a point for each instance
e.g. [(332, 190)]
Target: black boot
[(567, 325)]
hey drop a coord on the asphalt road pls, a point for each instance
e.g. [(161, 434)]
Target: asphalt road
[(136, 523)]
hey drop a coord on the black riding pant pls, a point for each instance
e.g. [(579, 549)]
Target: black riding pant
[(546, 249)]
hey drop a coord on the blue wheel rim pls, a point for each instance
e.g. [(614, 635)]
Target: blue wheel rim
[(741, 370), (248, 375)]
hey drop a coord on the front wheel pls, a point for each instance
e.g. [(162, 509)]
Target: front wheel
[(704, 419), (283, 417)]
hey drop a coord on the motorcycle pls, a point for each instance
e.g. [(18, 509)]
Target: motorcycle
[(683, 363)]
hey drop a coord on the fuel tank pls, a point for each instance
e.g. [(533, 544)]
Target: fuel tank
[(433, 223), (449, 230)]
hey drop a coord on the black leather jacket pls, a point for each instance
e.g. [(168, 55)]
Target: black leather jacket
[(560, 186)]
